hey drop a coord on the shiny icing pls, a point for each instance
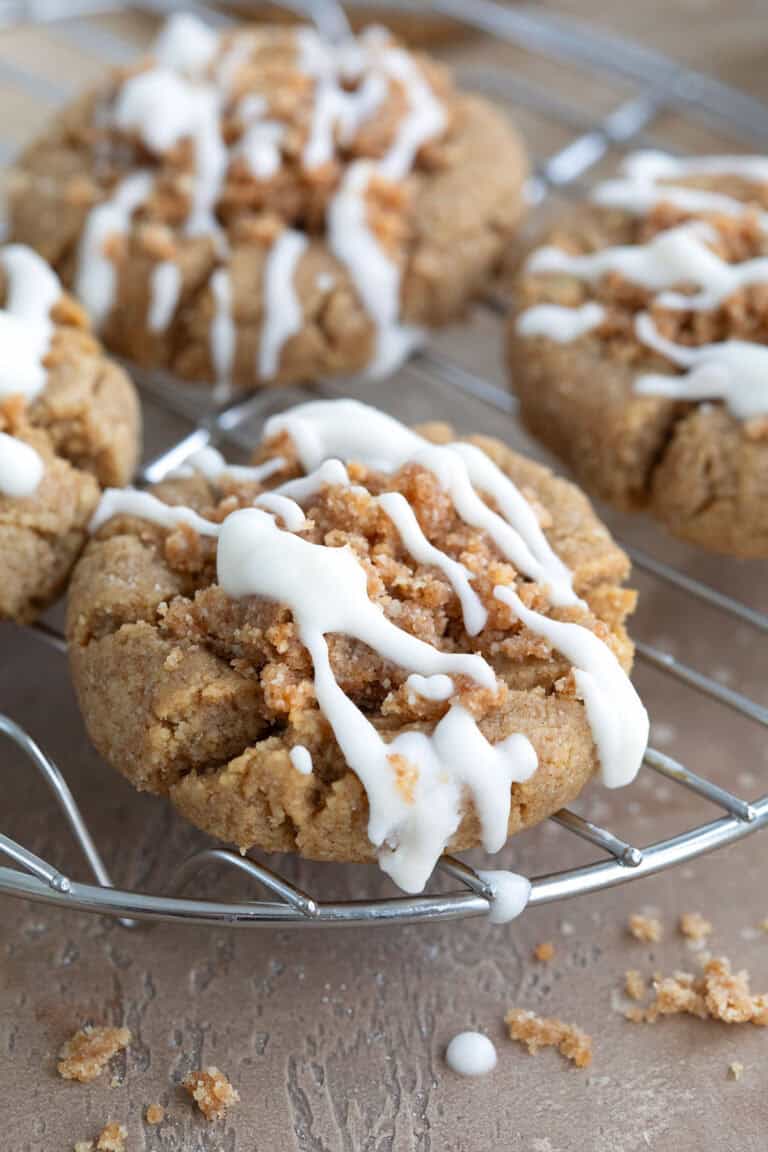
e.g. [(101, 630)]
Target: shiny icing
[(261, 552)]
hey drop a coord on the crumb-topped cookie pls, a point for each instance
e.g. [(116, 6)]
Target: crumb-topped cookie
[(262, 206), (639, 345), (69, 424), (374, 642)]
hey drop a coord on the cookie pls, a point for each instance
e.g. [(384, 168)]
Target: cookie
[(262, 207), (69, 425), (639, 345), (371, 644)]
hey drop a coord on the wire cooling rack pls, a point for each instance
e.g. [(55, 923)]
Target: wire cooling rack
[(658, 87)]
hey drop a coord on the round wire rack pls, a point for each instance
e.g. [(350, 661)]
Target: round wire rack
[(660, 85)]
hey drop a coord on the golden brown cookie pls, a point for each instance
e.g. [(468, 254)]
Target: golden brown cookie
[(69, 425), (191, 654), (639, 345), (262, 207)]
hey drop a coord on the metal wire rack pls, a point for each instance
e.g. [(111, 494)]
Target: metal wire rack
[(659, 86)]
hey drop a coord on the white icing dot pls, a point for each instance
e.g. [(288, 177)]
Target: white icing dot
[(301, 759), (430, 687), (21, 467), (471, 1054), (511, 894)]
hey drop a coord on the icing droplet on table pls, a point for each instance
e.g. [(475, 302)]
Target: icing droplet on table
[(471, 1054)]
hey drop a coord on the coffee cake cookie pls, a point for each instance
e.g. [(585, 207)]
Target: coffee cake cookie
[(372, 643), (265, 207), (69, 424), (639, 345)]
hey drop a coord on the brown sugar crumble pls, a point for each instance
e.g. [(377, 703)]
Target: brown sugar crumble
[(735, 1070), (634, 984), (544, 951), (111, 1139), (211, 1091), (645, 928), (155, 1114), (694, 926), (86, 1054), (542, 1032), (718, 994)]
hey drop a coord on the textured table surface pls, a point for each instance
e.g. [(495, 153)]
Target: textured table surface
[(335, 1038)]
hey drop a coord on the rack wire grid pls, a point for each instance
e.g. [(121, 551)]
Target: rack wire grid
[(654, 91)]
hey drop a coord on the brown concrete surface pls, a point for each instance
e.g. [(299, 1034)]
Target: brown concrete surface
[(335, 1038)]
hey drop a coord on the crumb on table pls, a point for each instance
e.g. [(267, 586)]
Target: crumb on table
[(735, 1070), (111, 1139), (718, 994), (645, 928), (155, 1114), (86, 1054), (211, 1091), (541, 1032), (695, 926), (634, 984), (544, 951)]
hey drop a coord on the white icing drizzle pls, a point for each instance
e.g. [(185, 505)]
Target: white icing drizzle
[(404, 518), (21, 467), (223, 333), (471, 1054), (260, 148), (145, 506), (288, 510), (164, 295), (436, 688), (210, 463), (735, 371), (305, 487), (618, 720), (424, 121), (349, 430), (417, 785), (640, 187), (186, 45), (301, 759), (559, 323), (511, 894), (26, 328), (281, 305), (375, 275), (96, 280)]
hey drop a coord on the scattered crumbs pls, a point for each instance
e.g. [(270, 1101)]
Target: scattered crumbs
[(634, 984), (694, 926), (566, 928), (86, 1054), (211, 1091), (718, 994), (764, 925), (112, 1139), (541, 1032), (645, 928), (735, 1070), (155, 1114), (544, 951)]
